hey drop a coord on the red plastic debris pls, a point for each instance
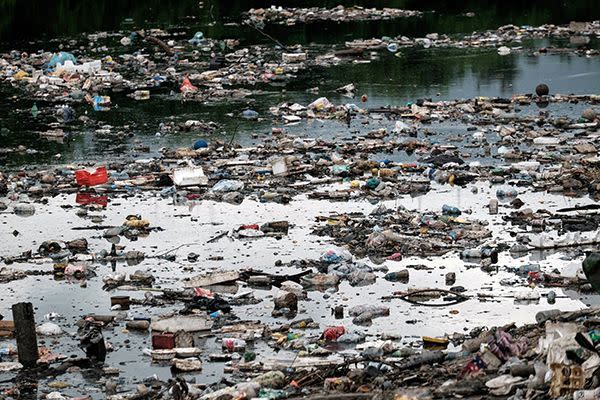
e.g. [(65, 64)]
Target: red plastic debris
[(253, 226), (332, 333), (200, 292), (86, 178), (187, 87)]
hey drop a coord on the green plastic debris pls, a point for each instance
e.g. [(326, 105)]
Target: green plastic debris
[(272, 394), (249, 356), (34, 110), (591, 268), (595, 336), (372, 183)]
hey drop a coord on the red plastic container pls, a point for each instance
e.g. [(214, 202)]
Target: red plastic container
[(164, 341), (85, 178)]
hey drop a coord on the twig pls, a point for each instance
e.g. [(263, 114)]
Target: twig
[(157, 42), (233, 135), (217, 236), (459, 297), (266, 35), (173, 249)]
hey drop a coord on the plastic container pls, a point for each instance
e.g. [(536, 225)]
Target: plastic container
[(163, 355), (85, 178), (565, 379), (189, 176)]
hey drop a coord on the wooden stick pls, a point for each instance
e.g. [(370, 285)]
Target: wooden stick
[(157, 42), (25, 334)]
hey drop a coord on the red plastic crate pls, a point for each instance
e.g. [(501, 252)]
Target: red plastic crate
[(85, 178)]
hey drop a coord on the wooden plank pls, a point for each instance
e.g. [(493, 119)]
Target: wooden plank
[(24, 319)]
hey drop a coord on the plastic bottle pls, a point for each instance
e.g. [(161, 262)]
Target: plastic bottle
[(457, 354), (426, 357), (471, 253), (509, 193), (398, 276), (371, 310), (489, 252)]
